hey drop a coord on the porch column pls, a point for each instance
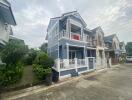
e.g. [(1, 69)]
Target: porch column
[(76, 64), (67, 46), (82, 33), (84, 52), (68, 28), (104, 59)]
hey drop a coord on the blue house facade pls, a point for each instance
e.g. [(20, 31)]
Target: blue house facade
[(74, 47)]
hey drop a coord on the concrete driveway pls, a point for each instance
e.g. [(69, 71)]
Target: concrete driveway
[(113, 84)]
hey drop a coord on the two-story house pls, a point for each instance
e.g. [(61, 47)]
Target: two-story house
[(73, 45), (6, 20), (98, 35), (112, 43)]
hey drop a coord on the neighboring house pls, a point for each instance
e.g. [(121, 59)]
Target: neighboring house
[(98, 36), (122, 48), (73, 46), (6, 20), (112, 43)]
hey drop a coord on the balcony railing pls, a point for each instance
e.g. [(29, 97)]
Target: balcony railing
[(76, 36), (66, 64)]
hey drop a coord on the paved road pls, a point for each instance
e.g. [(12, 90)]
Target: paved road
[(113, 84)]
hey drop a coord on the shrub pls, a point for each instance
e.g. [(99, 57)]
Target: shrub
[(10, 74), (42, 65), (44, 60), (12, 54), (30, 57), (40, 71)]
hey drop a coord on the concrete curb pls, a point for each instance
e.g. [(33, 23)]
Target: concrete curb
[(37, 89)]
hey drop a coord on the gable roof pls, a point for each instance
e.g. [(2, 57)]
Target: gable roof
[(76, 14), (109, 38), (96, 29)]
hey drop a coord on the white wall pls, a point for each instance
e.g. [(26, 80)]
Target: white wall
[(4, 34), (117, 42)]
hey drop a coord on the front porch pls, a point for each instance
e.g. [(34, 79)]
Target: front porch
[(74, 59), (71, 66)]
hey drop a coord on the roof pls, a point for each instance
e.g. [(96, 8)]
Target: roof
[(6, 12), (94, 31), (11, 37), (5, 2), (64, 15), (67, 14), (109, 38)]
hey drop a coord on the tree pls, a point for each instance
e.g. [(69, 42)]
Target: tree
[(44, 47), (129, 48), (13, 52)]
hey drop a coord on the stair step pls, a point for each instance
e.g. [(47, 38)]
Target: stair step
[(74, 74)]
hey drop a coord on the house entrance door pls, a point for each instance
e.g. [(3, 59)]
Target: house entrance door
[(91, 63), (72, 54)]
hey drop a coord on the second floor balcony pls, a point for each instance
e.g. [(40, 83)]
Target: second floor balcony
[(77, 37)]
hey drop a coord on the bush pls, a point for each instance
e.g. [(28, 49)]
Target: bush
[(10, 74), (40, 71), (29, 57), (42, 65), (12, 54), (44, 60)]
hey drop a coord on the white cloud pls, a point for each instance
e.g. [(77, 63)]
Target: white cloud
[(112, 15)]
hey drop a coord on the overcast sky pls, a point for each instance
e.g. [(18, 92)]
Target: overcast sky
[(32, 17)]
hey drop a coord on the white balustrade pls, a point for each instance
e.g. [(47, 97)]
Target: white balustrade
[(66, 64)]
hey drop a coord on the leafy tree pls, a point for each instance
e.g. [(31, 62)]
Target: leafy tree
[(13, 52), (44, 47), (129, 48)]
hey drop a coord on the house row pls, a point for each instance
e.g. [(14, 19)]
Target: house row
[(77, 49)]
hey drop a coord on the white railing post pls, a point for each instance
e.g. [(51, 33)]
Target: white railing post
[(58, 64), (66, 63), (86, 62), (76, 64), (94, 63), (110, 62)]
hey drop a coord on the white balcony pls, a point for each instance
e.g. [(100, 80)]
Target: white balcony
[(77, 37)]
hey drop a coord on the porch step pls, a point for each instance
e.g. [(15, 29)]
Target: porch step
[(74, 74)]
